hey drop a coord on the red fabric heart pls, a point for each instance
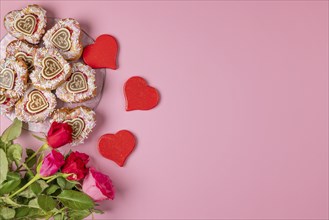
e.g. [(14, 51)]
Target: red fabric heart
[(117, 147), (139, 95), (103, 53)]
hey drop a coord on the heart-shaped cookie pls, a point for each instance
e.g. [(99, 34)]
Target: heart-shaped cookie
[(36, 102), (77, 83), (77, 124), (7, 78), (26, 24), (117, 147), (61, 39), (103, 53), (139, 95), (51, 68)]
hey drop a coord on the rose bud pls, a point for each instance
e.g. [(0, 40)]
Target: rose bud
[(98, 186), (51, 163), (76, 163), (59, 134)]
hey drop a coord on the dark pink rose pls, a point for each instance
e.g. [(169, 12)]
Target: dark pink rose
[(51, 163)]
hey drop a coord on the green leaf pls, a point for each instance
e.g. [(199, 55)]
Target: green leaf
[(3, 166), (78, 214), (65, 184), (34, 203), (22, 212), (14, 153), (76, 200), (28, 193), (52, 189), (12, 182), (46, 203), (13, 176), (13, 131), (28, 213), (36, 188), (42, 184), (7, 213)]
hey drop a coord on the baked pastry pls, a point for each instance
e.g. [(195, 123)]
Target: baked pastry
[(80, 86), (27, 24), (36, 105), (65, 36), (21, 51), (82, 120), (13, 79), (50, 69)]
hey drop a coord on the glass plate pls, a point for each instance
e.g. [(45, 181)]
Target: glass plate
[(93, 103)]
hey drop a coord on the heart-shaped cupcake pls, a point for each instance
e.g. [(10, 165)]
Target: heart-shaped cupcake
[(65, 36), (27, 24), (81, 85), (50, 69), (36, 105), (82, 120)]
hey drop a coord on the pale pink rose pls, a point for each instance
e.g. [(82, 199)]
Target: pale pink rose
[(98, 186), (51, 163)]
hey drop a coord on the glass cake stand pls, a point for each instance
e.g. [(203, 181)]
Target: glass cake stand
[(93, 103)]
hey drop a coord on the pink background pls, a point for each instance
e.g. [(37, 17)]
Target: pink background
[(242, 128)]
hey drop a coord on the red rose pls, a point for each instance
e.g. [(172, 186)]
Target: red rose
[(76, 163), (59, 134)]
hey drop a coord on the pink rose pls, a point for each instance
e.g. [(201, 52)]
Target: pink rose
[(98, 186), (51, 163)]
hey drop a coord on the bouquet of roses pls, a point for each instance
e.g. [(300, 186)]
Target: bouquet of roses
[(46, 183)]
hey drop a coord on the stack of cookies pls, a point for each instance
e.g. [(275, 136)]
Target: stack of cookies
[(33, 77)]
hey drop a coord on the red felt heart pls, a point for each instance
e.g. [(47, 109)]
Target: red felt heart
[(117, 147), (139, 95), (103, 53)]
